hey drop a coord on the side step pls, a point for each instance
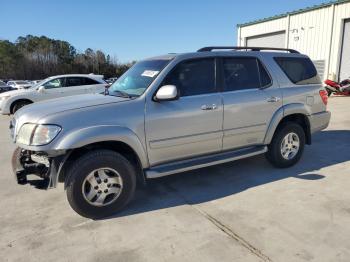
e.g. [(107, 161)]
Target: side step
[(203, 161)]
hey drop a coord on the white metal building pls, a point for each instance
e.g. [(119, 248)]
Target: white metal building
[(322, 32)]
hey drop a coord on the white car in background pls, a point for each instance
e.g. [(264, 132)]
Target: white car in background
[(19, 84), (49, 88)]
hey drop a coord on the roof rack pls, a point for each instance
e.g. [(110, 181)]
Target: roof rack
[(211, 48)]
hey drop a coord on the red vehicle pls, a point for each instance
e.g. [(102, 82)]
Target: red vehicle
[(342, 88)]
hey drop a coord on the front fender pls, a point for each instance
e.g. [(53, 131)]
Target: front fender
[(85, 136), (286, 110)]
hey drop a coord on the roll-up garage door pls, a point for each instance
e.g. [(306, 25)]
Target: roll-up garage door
[(277, 39), (345, 54)]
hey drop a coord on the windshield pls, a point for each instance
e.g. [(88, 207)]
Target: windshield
[(138, 78), (38, 83)]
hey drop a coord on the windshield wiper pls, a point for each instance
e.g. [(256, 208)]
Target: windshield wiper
[(121, 94)]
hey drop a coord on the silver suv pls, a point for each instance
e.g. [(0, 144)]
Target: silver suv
[(170, 114)]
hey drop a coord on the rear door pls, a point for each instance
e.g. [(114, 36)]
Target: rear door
[(93, 86), (75, 86), (250, 100)]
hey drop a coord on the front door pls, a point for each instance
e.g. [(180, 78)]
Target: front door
[(250, 100), (191, 125), (52, 89)]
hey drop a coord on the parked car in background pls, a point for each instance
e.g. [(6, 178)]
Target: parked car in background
[(34, 82), (52, 87), (4, 87), (170, 114), (111, 80), (19, 84)]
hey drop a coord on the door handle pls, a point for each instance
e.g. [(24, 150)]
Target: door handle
[(207, 107), (273, 99)]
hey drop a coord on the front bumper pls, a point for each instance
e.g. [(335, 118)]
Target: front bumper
[(46, 168), (319, 121)]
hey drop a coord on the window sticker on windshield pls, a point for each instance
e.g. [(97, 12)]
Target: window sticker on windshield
[(150, 73)]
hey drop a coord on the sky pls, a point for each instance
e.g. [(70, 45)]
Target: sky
[(132, 30)]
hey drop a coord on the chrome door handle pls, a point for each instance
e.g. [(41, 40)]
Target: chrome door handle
[(206, 107), (273, 99)]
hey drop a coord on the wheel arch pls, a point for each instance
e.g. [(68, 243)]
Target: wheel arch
[(117, 146), (296, 113), (13, 103)]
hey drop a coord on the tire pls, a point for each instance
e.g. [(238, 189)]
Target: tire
[(274, 154), (329, 92), (87, 168), (18, 105)]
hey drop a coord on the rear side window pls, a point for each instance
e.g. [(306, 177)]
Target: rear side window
[(75, 81), (244, 73), (89, 81), (299, 70), (193, 77)]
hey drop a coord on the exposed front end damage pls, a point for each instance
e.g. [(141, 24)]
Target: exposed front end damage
[(40, 164)]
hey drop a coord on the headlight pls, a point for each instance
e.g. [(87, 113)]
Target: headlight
[(37, 135), (3, 98), (44, 134)]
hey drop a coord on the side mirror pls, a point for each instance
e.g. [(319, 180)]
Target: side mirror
[(166, 93), (41, 89)]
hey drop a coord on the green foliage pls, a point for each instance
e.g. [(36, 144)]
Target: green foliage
[(33, 57)]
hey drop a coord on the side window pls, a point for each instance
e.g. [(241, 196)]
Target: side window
[(74, 81), (299, 70), (89, 81), (244, 73), (265, 79), (193, 77), (54, 83)]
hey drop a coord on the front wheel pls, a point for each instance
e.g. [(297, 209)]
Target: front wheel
[(18, 105), (100, 183), (287, 145)]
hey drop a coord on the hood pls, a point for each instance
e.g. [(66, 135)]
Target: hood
[(34, 112), (15, 92)]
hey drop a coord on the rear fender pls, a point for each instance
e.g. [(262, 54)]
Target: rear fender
[(282, 112)]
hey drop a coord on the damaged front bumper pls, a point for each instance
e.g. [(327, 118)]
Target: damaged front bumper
[(46, 167)]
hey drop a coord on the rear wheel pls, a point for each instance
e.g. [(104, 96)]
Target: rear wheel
[(100, 183), (287, 145), (18, 105)]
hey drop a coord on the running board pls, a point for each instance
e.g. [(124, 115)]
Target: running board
[(203, 161)]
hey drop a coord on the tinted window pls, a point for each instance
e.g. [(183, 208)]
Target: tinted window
[(299, 70), (75, 81), (244, 73), (89, 81), (265, 79), (194, 77), (55, 83)]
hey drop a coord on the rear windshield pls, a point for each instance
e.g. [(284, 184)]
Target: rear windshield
[(299, 70)]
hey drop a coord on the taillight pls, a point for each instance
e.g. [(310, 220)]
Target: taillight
[(324, 96)]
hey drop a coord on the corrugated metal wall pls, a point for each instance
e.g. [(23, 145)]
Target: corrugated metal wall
[(317, 33)]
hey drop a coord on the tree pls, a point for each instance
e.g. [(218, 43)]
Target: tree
[(33, 57)]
